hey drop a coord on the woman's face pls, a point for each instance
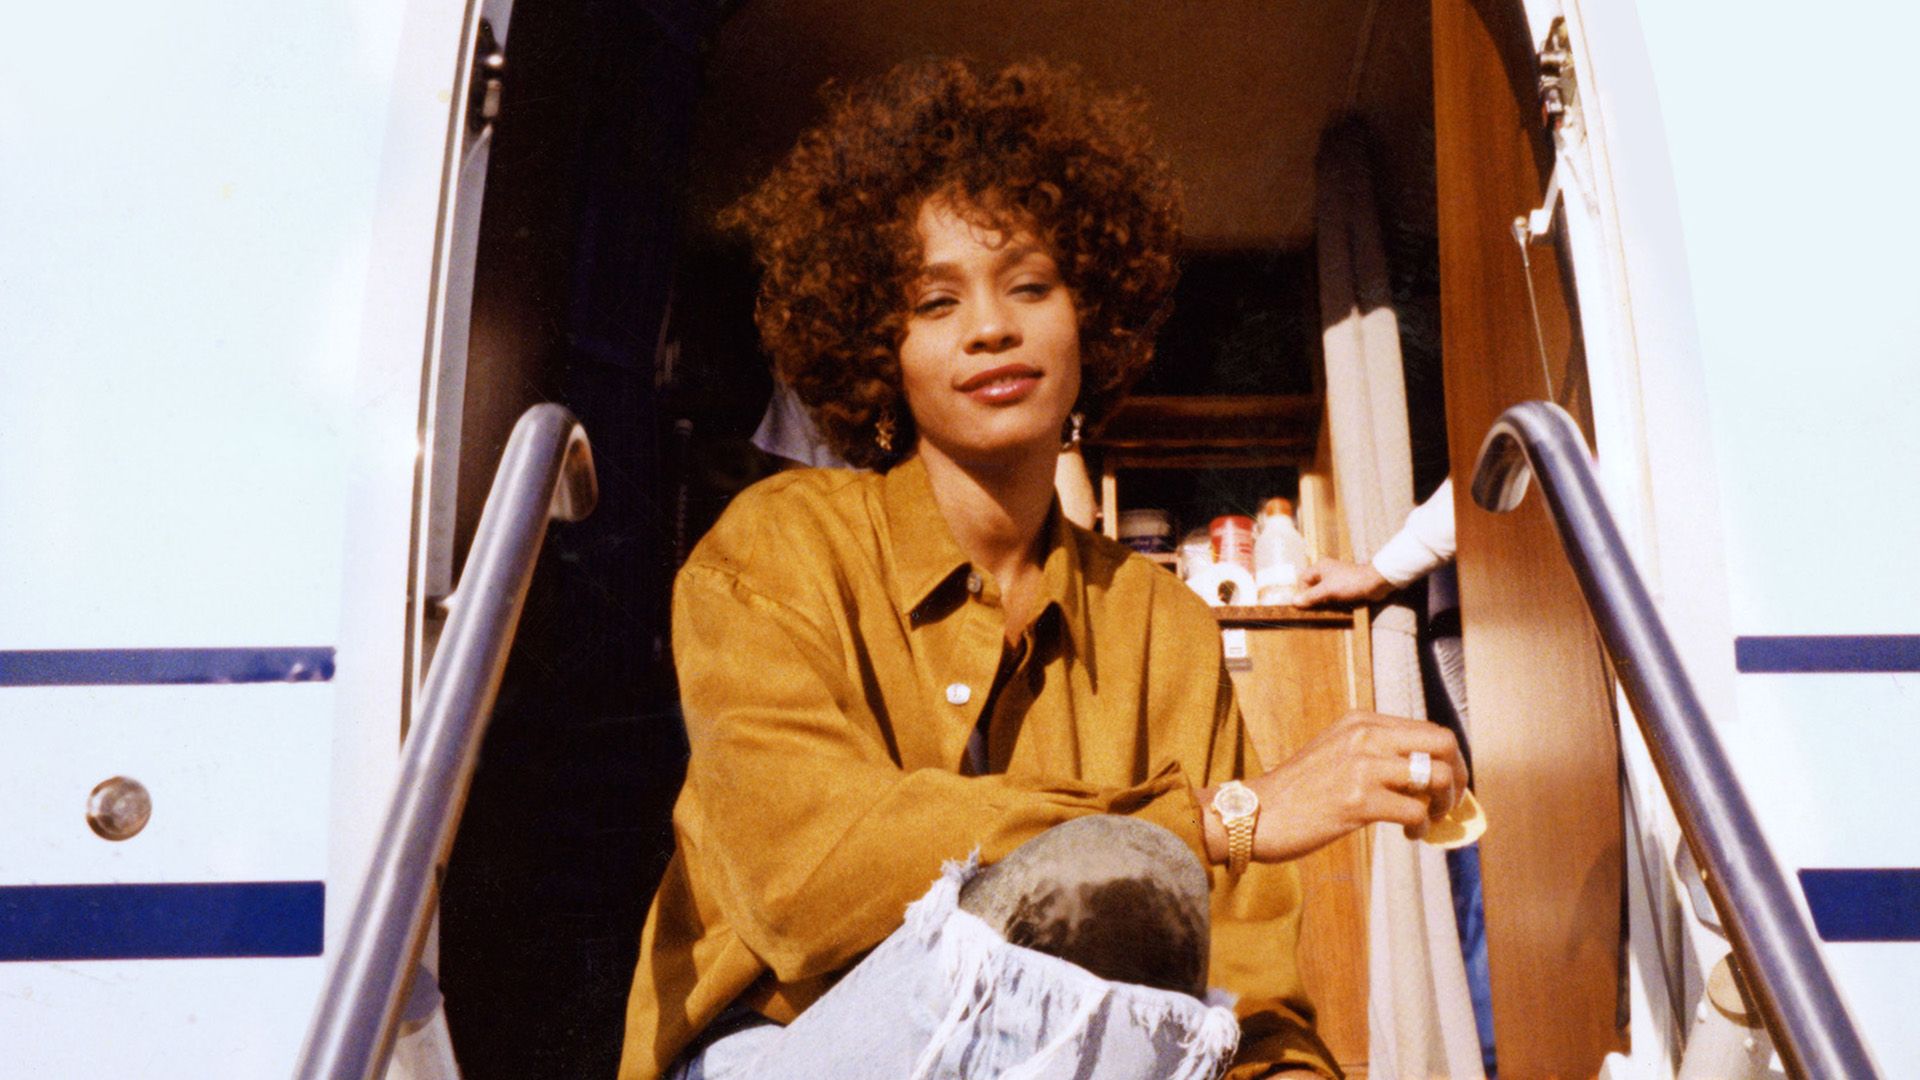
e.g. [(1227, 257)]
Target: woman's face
[(991, 360)]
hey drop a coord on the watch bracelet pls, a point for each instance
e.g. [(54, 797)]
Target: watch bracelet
[(1239, 845)]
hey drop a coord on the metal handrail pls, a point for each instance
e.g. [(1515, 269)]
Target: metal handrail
[(546, 472), (1776, 956)]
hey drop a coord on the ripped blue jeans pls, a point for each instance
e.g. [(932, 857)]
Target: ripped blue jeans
[(945, 997)]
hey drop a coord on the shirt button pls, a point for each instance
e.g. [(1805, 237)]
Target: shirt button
[(959, 693), (973, 586)]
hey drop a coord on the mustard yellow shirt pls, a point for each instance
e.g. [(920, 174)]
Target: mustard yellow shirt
[(835, 652)]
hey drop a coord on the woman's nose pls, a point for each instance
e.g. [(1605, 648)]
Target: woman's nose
[(995, 328)]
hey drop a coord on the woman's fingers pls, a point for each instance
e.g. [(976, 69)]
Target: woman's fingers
[(1440, 791), (1407, 811), (1411, 735), (1397, 736), (1389, 744), (1436, 796), (1359, 771)]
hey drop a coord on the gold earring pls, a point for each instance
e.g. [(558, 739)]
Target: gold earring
[(883, 433), (1074, 422)]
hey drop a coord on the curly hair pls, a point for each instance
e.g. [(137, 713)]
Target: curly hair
[(1027, 147)]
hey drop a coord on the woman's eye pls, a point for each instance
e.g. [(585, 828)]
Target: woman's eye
[(1034, 289), (933, 305)]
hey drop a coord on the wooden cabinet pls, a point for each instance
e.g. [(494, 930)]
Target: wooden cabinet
[(1223, 431), (1305, 670), (1215, 431), (1299, 671)]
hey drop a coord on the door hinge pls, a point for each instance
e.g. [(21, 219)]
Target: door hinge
[(487, 80), (1559, 89)]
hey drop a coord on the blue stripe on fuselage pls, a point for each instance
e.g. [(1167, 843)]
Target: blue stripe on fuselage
[(160, 667), (1858, 653), (162, 921), (1864, 904)]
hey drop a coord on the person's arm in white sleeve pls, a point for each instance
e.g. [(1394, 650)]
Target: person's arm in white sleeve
[(1424, 544)]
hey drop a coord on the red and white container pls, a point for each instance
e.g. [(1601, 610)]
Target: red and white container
[(1233, 540)]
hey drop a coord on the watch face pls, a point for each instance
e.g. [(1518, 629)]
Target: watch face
[(1235, 801)]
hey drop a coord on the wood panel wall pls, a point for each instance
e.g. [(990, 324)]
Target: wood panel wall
[(1303, 679), (1542, 725)]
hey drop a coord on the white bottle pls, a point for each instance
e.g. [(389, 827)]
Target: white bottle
[(1196, 552), (1280, 554)]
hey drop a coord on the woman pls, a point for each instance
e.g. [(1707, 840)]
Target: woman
[(886, 672)]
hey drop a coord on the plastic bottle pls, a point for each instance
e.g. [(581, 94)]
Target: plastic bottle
[(1280, 554), (1232, 536), (1196, 552)]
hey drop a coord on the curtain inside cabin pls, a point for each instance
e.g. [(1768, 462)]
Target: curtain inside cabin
[(1420, 1013)]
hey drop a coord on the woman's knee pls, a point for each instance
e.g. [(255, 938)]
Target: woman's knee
[(1123, 898)]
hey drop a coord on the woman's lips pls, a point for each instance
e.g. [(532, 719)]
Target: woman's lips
[(1002, 385)]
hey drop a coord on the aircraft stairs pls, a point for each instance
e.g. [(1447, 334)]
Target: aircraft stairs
[(380, 1013)]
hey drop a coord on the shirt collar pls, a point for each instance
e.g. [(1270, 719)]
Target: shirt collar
[(1064, 581), (926, 556)]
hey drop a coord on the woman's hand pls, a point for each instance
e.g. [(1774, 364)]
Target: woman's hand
[(1354, 773), (1339, 582)]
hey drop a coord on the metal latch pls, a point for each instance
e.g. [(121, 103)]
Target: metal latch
[(1559, 90), (487, 80)]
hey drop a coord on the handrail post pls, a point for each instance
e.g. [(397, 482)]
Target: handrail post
[(1792, 989), (545, 473)]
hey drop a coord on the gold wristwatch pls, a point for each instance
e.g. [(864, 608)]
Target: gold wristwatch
[(1238, 808)]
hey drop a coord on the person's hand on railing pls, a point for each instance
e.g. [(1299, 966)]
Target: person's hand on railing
[(1339, 583), (1359, 771)]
